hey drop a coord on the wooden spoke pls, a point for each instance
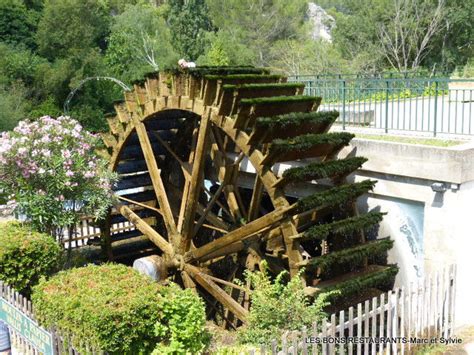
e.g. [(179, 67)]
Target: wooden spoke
[(219, 294), (147, 230), (155, 175), (256, 199), (239, 234), (224, 208)]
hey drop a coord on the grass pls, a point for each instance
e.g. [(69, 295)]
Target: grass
[(411, 140)]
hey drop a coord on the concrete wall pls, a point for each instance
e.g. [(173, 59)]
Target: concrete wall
[(405, 174)]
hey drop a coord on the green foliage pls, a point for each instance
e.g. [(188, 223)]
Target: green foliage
[(120, 311), (297, 118), (16, 24), (307, 141), (335, 195), (321, 170), (278, 306), (289, 99), (181, 323), (54, 173), (189, 24), (217, 54), (344, 226), (139, 41), (26, 256), (352, 256), (13, 105), (251, 28), (381, 279), (71, 28)]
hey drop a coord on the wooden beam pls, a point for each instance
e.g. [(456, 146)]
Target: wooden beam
[(208, 208), (218, 293), (256, 199), (155, 175), (239, 234), (146, 229), (191, 200)]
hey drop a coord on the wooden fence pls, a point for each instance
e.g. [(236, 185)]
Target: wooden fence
[(396, 322), (26, 336)]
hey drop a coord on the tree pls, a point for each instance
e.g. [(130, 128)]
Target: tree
[(71, 28), (139, 42), (258, 24), (406, 37), (189, 24), (16, 25)]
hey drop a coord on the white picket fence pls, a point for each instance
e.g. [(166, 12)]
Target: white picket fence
[(396, 322)]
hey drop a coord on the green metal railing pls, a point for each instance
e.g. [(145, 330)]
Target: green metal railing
[(429, 105)]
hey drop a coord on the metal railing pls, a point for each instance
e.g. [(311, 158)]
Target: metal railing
[(427, 105)]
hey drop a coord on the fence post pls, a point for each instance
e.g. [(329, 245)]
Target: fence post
[(435, 107), (386, 105), (344, 104)]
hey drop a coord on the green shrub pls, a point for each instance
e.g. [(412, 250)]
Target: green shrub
[(278, 307), (116, 309), (181, 324), (26, 256)]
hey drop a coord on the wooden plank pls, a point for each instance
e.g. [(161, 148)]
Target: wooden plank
[(350, 346), (147, 230), (191, 199), (341, 332), (374, 324), (332, 334), (389, 319), (256, 199), (395, 320), (218, 293), (238, 234), (155, 175), (402, 320), (453, 271), (324, 333), (366, 325), (359, 327)]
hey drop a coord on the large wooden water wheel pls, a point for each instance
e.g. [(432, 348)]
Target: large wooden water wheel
[(199, 154)]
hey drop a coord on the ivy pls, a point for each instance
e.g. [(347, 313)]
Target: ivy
[(308, 141), (353, 256), (344, 226), (297, 118), (356, 285), (335, 195), (323, 170)]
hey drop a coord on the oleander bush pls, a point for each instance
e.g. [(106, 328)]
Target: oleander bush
[(26, 256), (52, 169), (115, 309)]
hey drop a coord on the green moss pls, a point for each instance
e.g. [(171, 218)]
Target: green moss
[(343, 227), (242, 76), (352, 256), (335, 195), (296, 119), (201, 71), (275, 99), (307, 141), (323, 170), (356, 285), (262, 86)]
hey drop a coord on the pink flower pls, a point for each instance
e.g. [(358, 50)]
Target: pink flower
[(66, 153), (89, 174), (69, 173)]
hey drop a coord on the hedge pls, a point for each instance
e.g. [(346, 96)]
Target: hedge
[(115, 309), (26, 256)]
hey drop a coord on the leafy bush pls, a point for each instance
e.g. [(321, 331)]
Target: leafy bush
[(25, 256), (52, 169), (181, 324), (278, 307), (116, 309)]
